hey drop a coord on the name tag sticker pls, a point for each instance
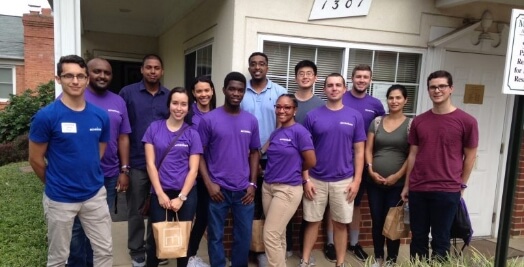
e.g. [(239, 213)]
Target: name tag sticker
[(68, 127)]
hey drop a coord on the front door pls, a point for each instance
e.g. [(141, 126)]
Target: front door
[(486, 70)]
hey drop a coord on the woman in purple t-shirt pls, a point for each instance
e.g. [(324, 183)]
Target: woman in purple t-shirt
[(290, 154), (172, 149), (203, 91), (386, 152)]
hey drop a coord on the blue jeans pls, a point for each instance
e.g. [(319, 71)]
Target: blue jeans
[(380, 200), (158, 214), (242, 225), (80, 251), (433, 211)]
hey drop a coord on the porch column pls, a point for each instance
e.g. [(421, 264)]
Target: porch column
[(67, 22)]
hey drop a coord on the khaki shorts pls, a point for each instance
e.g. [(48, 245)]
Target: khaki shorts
[(332, 193)]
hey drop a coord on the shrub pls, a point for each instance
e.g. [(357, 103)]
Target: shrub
[(16, 117), (15, 151)]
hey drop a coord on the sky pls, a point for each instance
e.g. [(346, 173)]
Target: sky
[(19, 7)]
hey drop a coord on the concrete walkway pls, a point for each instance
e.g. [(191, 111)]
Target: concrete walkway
[(121, 256)]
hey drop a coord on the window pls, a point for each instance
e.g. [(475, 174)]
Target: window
[(6, 83), (197, 63), (389, 67)]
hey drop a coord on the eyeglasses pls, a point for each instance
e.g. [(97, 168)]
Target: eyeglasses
[(285, 108), (440, 87), (308, 74), (69, 76)]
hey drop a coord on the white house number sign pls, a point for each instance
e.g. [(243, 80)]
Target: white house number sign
[(325, 9)]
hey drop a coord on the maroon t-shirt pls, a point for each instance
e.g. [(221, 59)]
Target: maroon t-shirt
[(441, 139)]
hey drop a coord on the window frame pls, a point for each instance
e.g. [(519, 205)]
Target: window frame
[(13, 81), (346, 46)]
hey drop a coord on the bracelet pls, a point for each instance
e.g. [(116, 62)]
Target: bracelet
[(254, 185), (127, 167), (463, 186), (305, 181)]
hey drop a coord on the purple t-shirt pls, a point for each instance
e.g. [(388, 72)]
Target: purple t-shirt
[(284, 154), (368, 106), (441, 139), (174, 168), (227, 140), (119, 123), (334, 133), (197, 115)]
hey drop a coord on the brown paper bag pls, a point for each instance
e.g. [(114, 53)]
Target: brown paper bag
[(394, 227), (171, 238), (257, 236)]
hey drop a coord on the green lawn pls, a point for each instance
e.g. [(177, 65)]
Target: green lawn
[(22, 227)]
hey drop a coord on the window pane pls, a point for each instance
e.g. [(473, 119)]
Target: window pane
[(384, 66), (299, 53), (329, 60), (5, 90), (278, 55), (410, 107), (357, 57), (6, 75), (408, 68), (203, 61)]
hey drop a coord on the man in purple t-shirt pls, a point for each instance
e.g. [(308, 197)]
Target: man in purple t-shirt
[(443, 149), (229, 169), (338, 135), (115, 155)]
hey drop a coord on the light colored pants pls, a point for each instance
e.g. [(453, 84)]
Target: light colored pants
[(96, 221), (280, 202)]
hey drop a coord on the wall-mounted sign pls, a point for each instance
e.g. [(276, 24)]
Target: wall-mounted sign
[(327, 9), (514, 69), (474, 94)]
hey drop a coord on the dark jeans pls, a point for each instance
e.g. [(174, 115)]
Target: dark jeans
[(242, 226), (431, 211), (158, 214), (380, 200), (139, 188), (200, 225), (80, 251)]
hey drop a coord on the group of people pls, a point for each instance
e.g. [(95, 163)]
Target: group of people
[(264, 152)]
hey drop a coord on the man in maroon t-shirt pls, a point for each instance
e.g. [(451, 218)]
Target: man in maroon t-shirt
[(444, 143)]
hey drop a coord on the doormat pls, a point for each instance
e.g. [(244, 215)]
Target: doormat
[(488, 248)]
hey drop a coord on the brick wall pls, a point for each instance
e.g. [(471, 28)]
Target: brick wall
[(517, 218), (38, 48)]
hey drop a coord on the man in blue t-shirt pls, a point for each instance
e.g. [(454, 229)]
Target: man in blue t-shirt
[(229, 169), (72, 135)]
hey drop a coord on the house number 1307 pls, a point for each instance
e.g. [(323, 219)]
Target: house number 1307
[(348, 4)]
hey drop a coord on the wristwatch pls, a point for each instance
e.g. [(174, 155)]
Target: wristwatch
[(182, 197)]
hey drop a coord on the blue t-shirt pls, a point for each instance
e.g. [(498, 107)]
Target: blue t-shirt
[(227, 139), (334, 133), (143, 108), (73, 173), (262, 106), (174, 168), (284, 154)]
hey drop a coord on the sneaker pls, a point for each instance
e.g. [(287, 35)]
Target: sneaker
[(196, 261), (139, 262), (358, 251), (289, 254), (330, 253), (163, 261), (262, 260), (312, 261), (303, 264)]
